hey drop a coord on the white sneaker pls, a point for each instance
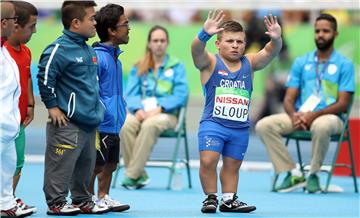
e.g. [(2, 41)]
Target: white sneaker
[(99, 203), (22, 205), (114, 205), (16, 212), (63, 209), (89, 207)]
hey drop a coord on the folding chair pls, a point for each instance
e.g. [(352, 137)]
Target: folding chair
[(178, 133), (344, 136)]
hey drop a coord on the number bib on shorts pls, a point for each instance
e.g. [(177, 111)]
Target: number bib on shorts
[(231, 104)]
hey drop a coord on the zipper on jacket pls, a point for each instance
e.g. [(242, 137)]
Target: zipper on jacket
[(117, 90), (72, 101)]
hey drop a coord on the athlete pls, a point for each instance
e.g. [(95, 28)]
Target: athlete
[(226, 78), (25, 26), (112, 27)]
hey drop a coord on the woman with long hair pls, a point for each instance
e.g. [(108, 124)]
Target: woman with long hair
[(156, 90)]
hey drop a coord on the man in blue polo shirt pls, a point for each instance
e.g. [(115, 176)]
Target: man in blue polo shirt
[(319, 88)]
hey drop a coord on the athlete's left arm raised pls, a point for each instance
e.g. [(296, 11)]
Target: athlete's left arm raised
[(271, 50)]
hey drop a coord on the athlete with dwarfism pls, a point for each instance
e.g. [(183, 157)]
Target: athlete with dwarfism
[(226, 78)]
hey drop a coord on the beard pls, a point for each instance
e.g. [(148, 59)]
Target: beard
[(325, 44)]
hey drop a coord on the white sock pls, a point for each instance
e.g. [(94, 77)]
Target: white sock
[(296, 172), (228, 196)]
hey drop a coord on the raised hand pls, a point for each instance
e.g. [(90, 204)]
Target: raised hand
[(213, 21), (272, 26)]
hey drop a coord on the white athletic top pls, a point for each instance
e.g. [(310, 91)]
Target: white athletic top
[(9, 97)]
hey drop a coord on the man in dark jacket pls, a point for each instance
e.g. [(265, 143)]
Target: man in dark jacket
[(112, 27), (68, 86)]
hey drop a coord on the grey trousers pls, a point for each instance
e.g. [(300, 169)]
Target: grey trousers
[(69, 162)]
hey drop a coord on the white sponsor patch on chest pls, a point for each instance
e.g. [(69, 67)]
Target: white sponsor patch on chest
[(231, 104)]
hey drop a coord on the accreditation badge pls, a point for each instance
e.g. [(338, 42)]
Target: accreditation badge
[(231, 104), (311, 103), (149, 103)]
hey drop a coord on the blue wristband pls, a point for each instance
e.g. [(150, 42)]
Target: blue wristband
[(203, 36)]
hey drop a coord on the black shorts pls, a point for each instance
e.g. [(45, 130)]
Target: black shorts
[(109, 149)]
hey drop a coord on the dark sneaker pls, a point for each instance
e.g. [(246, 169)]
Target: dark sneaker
[(63, 209), (89, 207), (235, 205), (113, 205), (129, 183), (16, 212), (313, 184), (22, 205), (291, 183), (210, 204)]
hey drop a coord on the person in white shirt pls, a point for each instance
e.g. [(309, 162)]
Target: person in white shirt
[(9, 116)]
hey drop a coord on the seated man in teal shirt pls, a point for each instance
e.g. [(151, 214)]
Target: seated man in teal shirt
[(319, 88)]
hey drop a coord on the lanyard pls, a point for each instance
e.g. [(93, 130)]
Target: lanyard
[(320, 75), (145, 84)]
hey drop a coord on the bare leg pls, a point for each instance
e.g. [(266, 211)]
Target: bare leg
[(104, 179), (229, 175), (16, 180), (97, 170), (208, 174)]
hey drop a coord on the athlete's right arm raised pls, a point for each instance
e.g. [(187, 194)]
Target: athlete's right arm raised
[(203, 60)]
